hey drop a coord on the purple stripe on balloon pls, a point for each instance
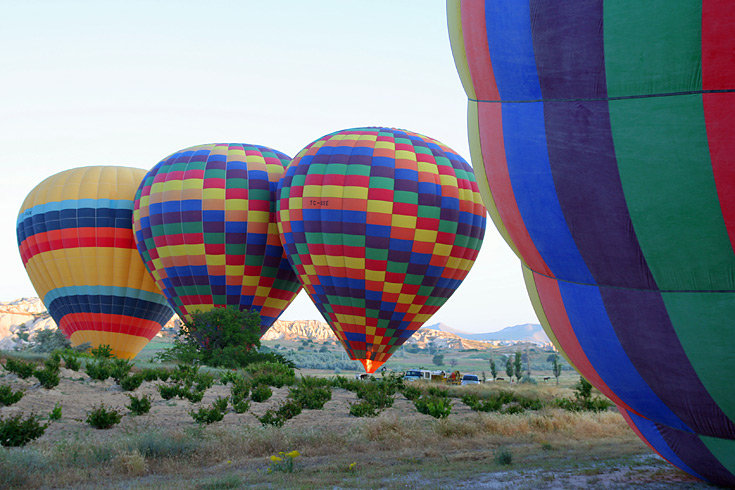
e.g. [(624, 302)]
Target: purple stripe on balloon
[(692, 451), (647, 336)]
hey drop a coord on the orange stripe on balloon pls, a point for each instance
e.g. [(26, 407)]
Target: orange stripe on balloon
[(109, 323)]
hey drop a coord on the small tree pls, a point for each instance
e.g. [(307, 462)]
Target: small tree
[(509, 368), (518, 366), (438, 359), (493, 369), (556, 367), (453, 362)]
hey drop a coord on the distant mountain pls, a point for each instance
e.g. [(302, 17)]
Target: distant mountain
[(528, 332)]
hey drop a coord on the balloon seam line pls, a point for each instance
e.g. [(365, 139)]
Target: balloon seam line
[(596, 99)]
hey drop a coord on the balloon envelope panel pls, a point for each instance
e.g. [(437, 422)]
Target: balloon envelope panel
[(382, 225), (76, 241), (205, 227), (600, 129)]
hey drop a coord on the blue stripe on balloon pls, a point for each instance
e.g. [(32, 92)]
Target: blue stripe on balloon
[(108, 304), (132, 293), (596, 335), (533, 186), (508, 27), (651, 434)]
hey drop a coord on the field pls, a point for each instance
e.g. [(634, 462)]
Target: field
[(400, 447)]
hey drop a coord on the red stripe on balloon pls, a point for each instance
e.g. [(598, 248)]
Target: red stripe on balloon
[(477, 51), (75, 238), (550, 296), (104, 322), (718, 72), (490, 120)]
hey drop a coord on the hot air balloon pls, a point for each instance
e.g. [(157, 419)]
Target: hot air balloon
[(381, 225), (205, 227), (602, 135), (75, 237)]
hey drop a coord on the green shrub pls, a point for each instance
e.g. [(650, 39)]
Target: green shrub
[(311, 397), (503, 456), (437, 406), (139, 405), (240, 406), (239, 390), (102, 352), (17, 431), (221, 403), (102, 418), (48, 340), (271, 373), (132, 382), (21, 368), (160, 444), (229, 377), (285, 411), (53, 362), (151, 374), (99, 369), (71, 360), (168, 391), (207, 415), (120, 369), (55, 413), (47, 378), (583, 399), (363, 409), (261, 393), (8, 396), (411, 392), (194, 396), (377, 394)]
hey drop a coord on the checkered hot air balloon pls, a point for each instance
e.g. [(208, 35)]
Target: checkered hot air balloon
[(602, 132), (75, 235), (205, 227), (381, 225)]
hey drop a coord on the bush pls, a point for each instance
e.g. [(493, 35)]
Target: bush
[(53, 362), (55, 413), (583, 399), (503, 456), (8, 396), (102, 418), (167, 391), (120, 369), (436, 406), (240, 389), (139, 405), (207, 415), (261, 393), (221, 403), (102, 352), (47, 378), (71, 360), (271, 373), (132, 382), (411, 392), (21, 368), (363, 409), (240, 406), (287, 410), (100, 369), (17, 431), (311, 397), (49, 340)]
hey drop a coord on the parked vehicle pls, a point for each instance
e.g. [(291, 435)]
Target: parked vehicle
[(470, 379), (417, 375)]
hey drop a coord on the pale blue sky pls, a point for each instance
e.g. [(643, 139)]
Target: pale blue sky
[(129, 82)]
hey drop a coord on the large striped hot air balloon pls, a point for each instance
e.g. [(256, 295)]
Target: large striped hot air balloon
[(381, 225), (205, 227), (75, 236), (602, 136)]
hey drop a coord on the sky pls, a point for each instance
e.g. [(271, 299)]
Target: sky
[(130, 82)]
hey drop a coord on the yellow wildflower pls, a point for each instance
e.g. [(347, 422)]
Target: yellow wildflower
[(276, 459), (352, 466), (293, 454)]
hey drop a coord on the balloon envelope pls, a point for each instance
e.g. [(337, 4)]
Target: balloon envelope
[(601, 132), (76, 241), (205, 227), (382, 225)]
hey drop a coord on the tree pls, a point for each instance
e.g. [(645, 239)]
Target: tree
[(509, 368), (493, 369), (453, 362), (518, 366), (438, 359), (556, 367)]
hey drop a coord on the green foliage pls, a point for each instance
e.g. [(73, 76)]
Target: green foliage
[(221, 403), (221, 337), (98, 369), (120, 369), (583, 399), (309, 396), (503, 456), (207, 415), (47, 378), (132, 382), (502, 401), (8, 396), (283, 462), (261, 393), (55, 413), (21, 368), (509, 371), (168, 391), (363, 409), (229, 377), (411, 392), (437, 406), (555, 367), (240, 405), (17, 431), (239, 391), (155, 374), (53, 362), (438, 359), (71, 360), (103, 351), (278, 417), (518, 365), (49, 340), (493, 369), (102, 418), (271, 373)]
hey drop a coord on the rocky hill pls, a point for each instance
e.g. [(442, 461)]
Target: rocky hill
[(527, 332)]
